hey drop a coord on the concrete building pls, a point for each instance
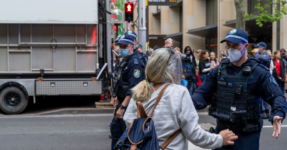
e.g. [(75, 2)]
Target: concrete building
[(201, 24)]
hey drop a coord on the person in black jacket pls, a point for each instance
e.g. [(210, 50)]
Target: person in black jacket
[(204, 65), (279, 70), (189, 68)]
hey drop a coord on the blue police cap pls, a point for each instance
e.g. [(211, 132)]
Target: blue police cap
[(261, 44), (139, 46), (126, 39), (131, 33), (118, 38), (236, 36)]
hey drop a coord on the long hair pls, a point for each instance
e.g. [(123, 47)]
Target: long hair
[(275, 53), (203, 52), (164, 66), (214, 57)]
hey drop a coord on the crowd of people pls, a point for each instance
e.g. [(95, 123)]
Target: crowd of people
[(238, 89)]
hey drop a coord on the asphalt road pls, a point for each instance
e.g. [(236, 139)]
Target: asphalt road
[(85, 132)]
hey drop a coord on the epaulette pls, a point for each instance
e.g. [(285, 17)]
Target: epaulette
[(136, 61)]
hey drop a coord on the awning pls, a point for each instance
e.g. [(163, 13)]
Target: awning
[(209, 31), (175, 36), (252, 28)]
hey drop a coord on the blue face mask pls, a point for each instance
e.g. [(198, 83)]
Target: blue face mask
[(259, 51), (124, 52)]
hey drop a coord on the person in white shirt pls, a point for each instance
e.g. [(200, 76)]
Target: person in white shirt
[(175, 110), (271, 63)]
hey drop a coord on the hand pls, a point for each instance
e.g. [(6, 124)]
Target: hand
[(276, 126), (120, 113), (228, 137), (212, 67), (256, 50), (115, 101)]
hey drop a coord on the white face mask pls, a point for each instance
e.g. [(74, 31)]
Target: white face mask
[(235, 54)]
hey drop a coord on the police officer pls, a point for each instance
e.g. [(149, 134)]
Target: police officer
[(264, 57), (129, 74), (234, 89), (142, 56), (140, 53)]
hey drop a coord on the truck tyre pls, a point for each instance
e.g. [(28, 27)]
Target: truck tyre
[(13, 100)]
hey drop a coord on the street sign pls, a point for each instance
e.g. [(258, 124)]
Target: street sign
[(163, 2)]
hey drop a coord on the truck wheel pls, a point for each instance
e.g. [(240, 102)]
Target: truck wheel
[(13, 100)]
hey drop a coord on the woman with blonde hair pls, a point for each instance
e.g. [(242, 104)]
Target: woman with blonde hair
[(175, 110)]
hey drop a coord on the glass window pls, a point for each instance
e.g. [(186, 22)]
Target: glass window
[(252, 3), (211, 12)]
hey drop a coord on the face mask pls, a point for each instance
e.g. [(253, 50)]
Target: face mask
[(235, 54), (259, 51), (124, 52)]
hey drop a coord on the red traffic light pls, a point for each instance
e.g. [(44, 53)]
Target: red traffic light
[(129, 7), (129, 11)]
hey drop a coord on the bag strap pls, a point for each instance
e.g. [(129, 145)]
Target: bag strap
[(158, 99), (140, 110), (170, 139)]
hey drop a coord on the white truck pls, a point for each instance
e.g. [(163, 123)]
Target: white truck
[(50, 48)]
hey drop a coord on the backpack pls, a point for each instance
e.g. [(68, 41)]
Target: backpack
[(141, 134)]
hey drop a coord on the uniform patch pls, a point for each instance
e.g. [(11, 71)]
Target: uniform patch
[(119, 75), (233, 31), (137, 73)]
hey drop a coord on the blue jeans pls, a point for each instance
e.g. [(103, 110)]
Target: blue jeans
[(202, 77), (118, 127), (192, 84)]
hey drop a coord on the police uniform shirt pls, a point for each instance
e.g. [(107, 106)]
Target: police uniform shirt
[(261, 83), (264, 58), (143, 57), (133, 73)]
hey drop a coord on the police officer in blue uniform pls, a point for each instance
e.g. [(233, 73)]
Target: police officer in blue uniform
[(141, 55), (139, 51), (129, 74), (261, 55), (233, 89)]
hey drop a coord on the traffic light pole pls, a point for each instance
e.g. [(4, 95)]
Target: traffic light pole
[(142, 24)]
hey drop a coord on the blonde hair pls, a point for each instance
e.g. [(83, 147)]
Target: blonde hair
[(164, 66), (169, 40)]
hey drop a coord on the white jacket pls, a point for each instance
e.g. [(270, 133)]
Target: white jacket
[(174, 111)]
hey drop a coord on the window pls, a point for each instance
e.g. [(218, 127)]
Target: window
[(211, 12), (253, 3)]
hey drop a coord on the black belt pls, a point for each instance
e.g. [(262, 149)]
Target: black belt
[(232, 127), (251, 127)]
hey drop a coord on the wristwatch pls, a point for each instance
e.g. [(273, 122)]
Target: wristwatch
[(114, 95), (123, 107)]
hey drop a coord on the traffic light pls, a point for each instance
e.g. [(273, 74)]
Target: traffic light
[(129, 12)]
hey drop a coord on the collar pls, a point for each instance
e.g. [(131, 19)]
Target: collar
[(247, 63)]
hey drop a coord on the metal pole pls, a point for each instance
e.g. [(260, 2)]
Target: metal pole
[(109, 36), (125, 22), (142, 25)]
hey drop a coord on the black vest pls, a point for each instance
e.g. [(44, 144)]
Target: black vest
[(233, 103)]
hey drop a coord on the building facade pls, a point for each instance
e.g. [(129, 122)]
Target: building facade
[(201, 24)]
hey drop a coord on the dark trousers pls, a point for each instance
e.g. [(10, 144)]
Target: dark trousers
[(245, 141), (118, 127)]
